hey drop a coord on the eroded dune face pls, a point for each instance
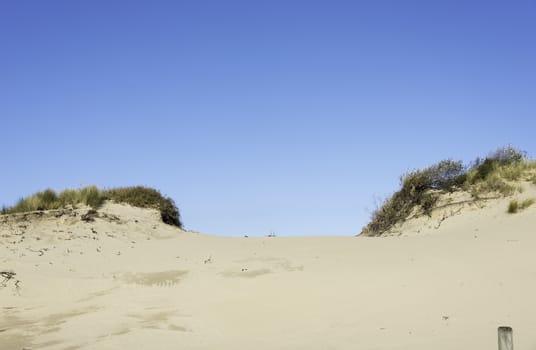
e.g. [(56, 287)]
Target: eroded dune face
[(121, 279)]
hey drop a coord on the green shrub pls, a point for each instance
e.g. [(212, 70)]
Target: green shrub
[(482, 170), (145, 197), (507, 155), (502, 158), (417, 191), (444, 175), (421, 189), (389, 213), (169, 212), (137, 196)]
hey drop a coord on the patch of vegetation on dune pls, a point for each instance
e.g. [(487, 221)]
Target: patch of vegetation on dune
[(145, 197), (421, 189), (137, 196), (49, 200), (514, 206)]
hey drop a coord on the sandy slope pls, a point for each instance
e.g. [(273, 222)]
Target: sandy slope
[(126, 281)]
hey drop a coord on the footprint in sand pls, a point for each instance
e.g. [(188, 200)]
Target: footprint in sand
[(245, 273)]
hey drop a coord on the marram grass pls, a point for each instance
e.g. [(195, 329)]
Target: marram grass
[(138, 196), (514, 206)]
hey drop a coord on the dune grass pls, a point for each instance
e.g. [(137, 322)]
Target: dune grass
[(514, 206), (138, 196), (421, 189), (49, 200)]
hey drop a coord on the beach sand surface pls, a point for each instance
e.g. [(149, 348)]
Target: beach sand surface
[(124, 280)]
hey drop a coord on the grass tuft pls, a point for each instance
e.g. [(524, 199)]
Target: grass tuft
[(92, 196), (493, 183), (514, 206), (49, 200), (527, 203)]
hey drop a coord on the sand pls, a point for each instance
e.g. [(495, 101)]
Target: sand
[(127, 281)]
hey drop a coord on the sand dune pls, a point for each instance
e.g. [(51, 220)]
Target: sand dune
[(124, 280)]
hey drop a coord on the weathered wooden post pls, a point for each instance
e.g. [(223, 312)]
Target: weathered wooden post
[(506, 341)]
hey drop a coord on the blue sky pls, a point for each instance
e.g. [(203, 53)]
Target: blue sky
[(259, 116)]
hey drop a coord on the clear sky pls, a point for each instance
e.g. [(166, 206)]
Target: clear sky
[(259, 116)]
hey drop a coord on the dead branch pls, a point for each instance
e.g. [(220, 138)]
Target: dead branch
[(7, 276)]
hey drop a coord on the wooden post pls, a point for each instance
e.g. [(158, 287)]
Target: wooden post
[(506, 341)]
